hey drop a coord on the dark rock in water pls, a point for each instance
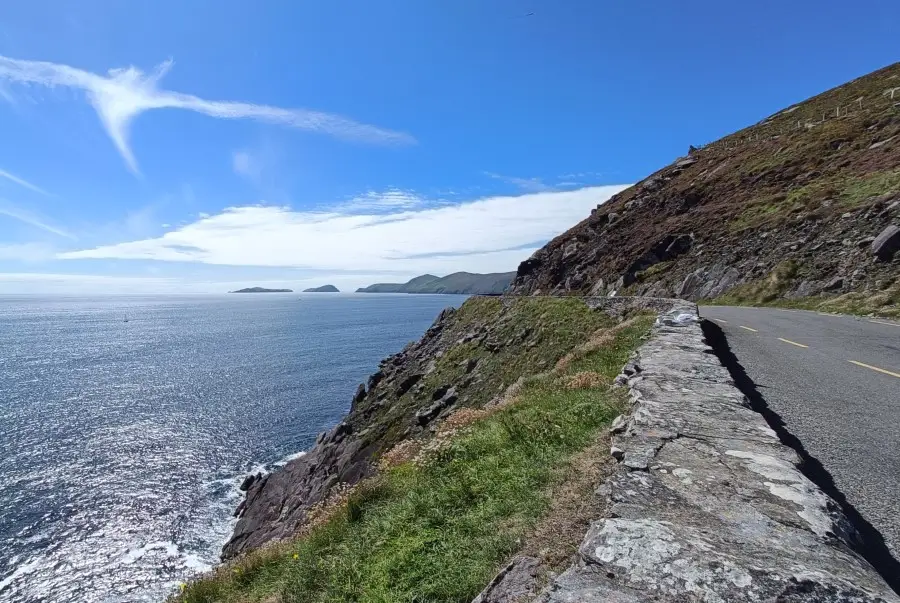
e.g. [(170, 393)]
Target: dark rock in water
[(520, 580), (359, 395), (374, 379), (239, 509), (887, 243), (248, 481)]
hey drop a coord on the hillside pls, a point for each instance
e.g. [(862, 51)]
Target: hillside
[(791, 207), (479, 440), (322, 289), (464, 283)]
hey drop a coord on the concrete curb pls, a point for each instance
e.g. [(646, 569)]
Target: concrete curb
[(707, 504)]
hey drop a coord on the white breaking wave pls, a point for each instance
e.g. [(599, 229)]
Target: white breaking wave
[(289, 458), (133, 555)]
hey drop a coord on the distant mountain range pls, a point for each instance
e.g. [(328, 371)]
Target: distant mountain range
[(262, 290), (322, 289), (463, 283)]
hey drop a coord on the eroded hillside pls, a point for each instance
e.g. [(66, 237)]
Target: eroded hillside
[(789, 207)]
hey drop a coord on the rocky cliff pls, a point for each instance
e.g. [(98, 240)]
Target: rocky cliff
[(806, 202), (465, 359)]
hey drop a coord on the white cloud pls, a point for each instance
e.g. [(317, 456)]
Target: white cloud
[(390, 200), (534, 185), (22, 182), (491, 234), (125, 93), (27, 217), (26, 252)]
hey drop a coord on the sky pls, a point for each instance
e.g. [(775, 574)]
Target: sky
[(199, 146)]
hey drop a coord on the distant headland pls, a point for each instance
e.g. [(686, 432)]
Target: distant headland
[(465, 283), (262, 290), (322, 289)]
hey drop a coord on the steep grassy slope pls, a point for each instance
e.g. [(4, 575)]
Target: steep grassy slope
[(466, 359), (488, 477), (811, 185)]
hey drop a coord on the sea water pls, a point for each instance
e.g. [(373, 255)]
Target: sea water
[(122, 443)]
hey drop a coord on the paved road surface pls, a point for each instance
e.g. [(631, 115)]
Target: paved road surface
[(835, 381)]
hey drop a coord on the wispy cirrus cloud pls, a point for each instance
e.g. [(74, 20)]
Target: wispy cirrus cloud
[(487, 235), (125, 93), (533, 185), (23, 183), (390, 201), (27, 217)]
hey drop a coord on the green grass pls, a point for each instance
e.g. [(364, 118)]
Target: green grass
[(531, 333), (528, 336), (844, 191), (769, 292), (439, 529)]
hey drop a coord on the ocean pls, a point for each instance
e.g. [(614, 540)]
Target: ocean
[(122, 444)]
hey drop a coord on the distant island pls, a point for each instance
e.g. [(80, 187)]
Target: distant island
[(462, 283), (322, 289), (262, 290)]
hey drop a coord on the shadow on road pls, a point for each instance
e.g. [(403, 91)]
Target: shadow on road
[(868, 541)]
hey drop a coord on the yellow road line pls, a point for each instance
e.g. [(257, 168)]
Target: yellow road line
[(799, 345), (881, 322), (724, 322), (748, 328), (875, 368)]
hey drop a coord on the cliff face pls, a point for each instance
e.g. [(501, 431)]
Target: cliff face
[(465, 359), (805, 202)]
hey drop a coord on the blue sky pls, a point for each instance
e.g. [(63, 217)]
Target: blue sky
[(199, 146)]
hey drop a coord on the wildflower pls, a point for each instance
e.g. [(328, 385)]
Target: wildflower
[(296, 556), (183, 586)]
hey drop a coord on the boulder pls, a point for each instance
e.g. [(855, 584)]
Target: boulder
[(518, 581), (407, 383), (426, 415), (887, 243), (835, 283), (690, 284)]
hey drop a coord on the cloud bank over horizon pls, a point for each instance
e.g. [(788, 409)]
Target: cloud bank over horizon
[(492, 234)]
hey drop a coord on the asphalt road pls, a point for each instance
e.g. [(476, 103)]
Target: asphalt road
[(835, 382)]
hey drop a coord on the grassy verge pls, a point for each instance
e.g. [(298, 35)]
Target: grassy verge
[(884, 303), (437, 528)]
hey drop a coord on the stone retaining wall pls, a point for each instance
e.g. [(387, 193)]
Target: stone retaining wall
[(707, 504)]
